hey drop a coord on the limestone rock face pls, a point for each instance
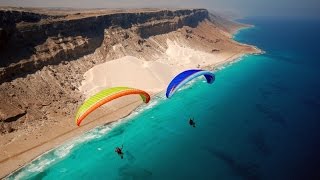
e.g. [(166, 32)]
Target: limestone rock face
[(41, 40)]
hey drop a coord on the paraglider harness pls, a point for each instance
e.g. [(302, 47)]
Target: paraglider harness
[(119, 151), (192, 123)]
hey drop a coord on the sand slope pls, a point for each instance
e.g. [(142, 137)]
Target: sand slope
[(151, 76)]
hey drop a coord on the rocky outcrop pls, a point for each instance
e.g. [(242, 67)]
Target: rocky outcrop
[(152, 28), (11, 18)]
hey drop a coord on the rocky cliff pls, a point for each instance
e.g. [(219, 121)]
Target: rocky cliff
[(42, 40)]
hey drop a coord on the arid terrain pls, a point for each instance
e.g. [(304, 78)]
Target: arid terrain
[(48, 57)]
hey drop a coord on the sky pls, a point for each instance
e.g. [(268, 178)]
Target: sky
[(294, 8)]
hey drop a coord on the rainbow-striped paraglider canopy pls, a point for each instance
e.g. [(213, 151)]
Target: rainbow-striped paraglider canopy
[(105, 96)]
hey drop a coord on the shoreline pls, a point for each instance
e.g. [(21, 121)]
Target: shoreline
[(59, 140), (19, 160)]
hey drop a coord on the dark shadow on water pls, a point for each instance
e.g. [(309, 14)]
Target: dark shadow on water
[(311, 103), (212, 107), (116, 132), (282, 58), (72, 156), (129, 157), (258, 139), (133, 172), (278, 87), (265, 93), (248, 171), (271, 114), (40, 175), (309, 166), (312, 107)]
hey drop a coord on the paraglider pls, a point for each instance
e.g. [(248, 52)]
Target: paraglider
[(118, 150), (186, 76), (192, 123), (105, 96)]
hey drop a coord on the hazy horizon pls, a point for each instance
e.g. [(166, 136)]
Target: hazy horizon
[(293, 8)]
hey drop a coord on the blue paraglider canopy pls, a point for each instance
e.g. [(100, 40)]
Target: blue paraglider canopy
[(186, 76)]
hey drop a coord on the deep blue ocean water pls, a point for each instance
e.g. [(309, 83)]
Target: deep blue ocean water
[(259, 120)]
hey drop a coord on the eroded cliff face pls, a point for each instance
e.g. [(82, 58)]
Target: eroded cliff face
[(45, 40), (43, 57)]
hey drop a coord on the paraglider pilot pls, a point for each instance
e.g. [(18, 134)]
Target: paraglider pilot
[(192, 123), (118, 150)]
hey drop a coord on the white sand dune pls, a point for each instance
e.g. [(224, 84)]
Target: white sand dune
[(151, 76)]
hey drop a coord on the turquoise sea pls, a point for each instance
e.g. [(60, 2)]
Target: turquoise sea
[(259, 120)]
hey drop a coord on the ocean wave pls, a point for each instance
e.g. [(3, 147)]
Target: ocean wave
[(227, 64), (59, 153), (156, 100)]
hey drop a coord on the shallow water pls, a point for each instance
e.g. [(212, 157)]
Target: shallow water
[(259, 120)]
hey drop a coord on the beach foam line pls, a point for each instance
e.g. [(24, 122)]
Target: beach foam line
[(155, 100), (59, 153)]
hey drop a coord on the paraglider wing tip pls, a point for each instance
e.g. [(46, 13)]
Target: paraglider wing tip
[(78, 122), (210, 77), (147, 99), (168, 94)]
